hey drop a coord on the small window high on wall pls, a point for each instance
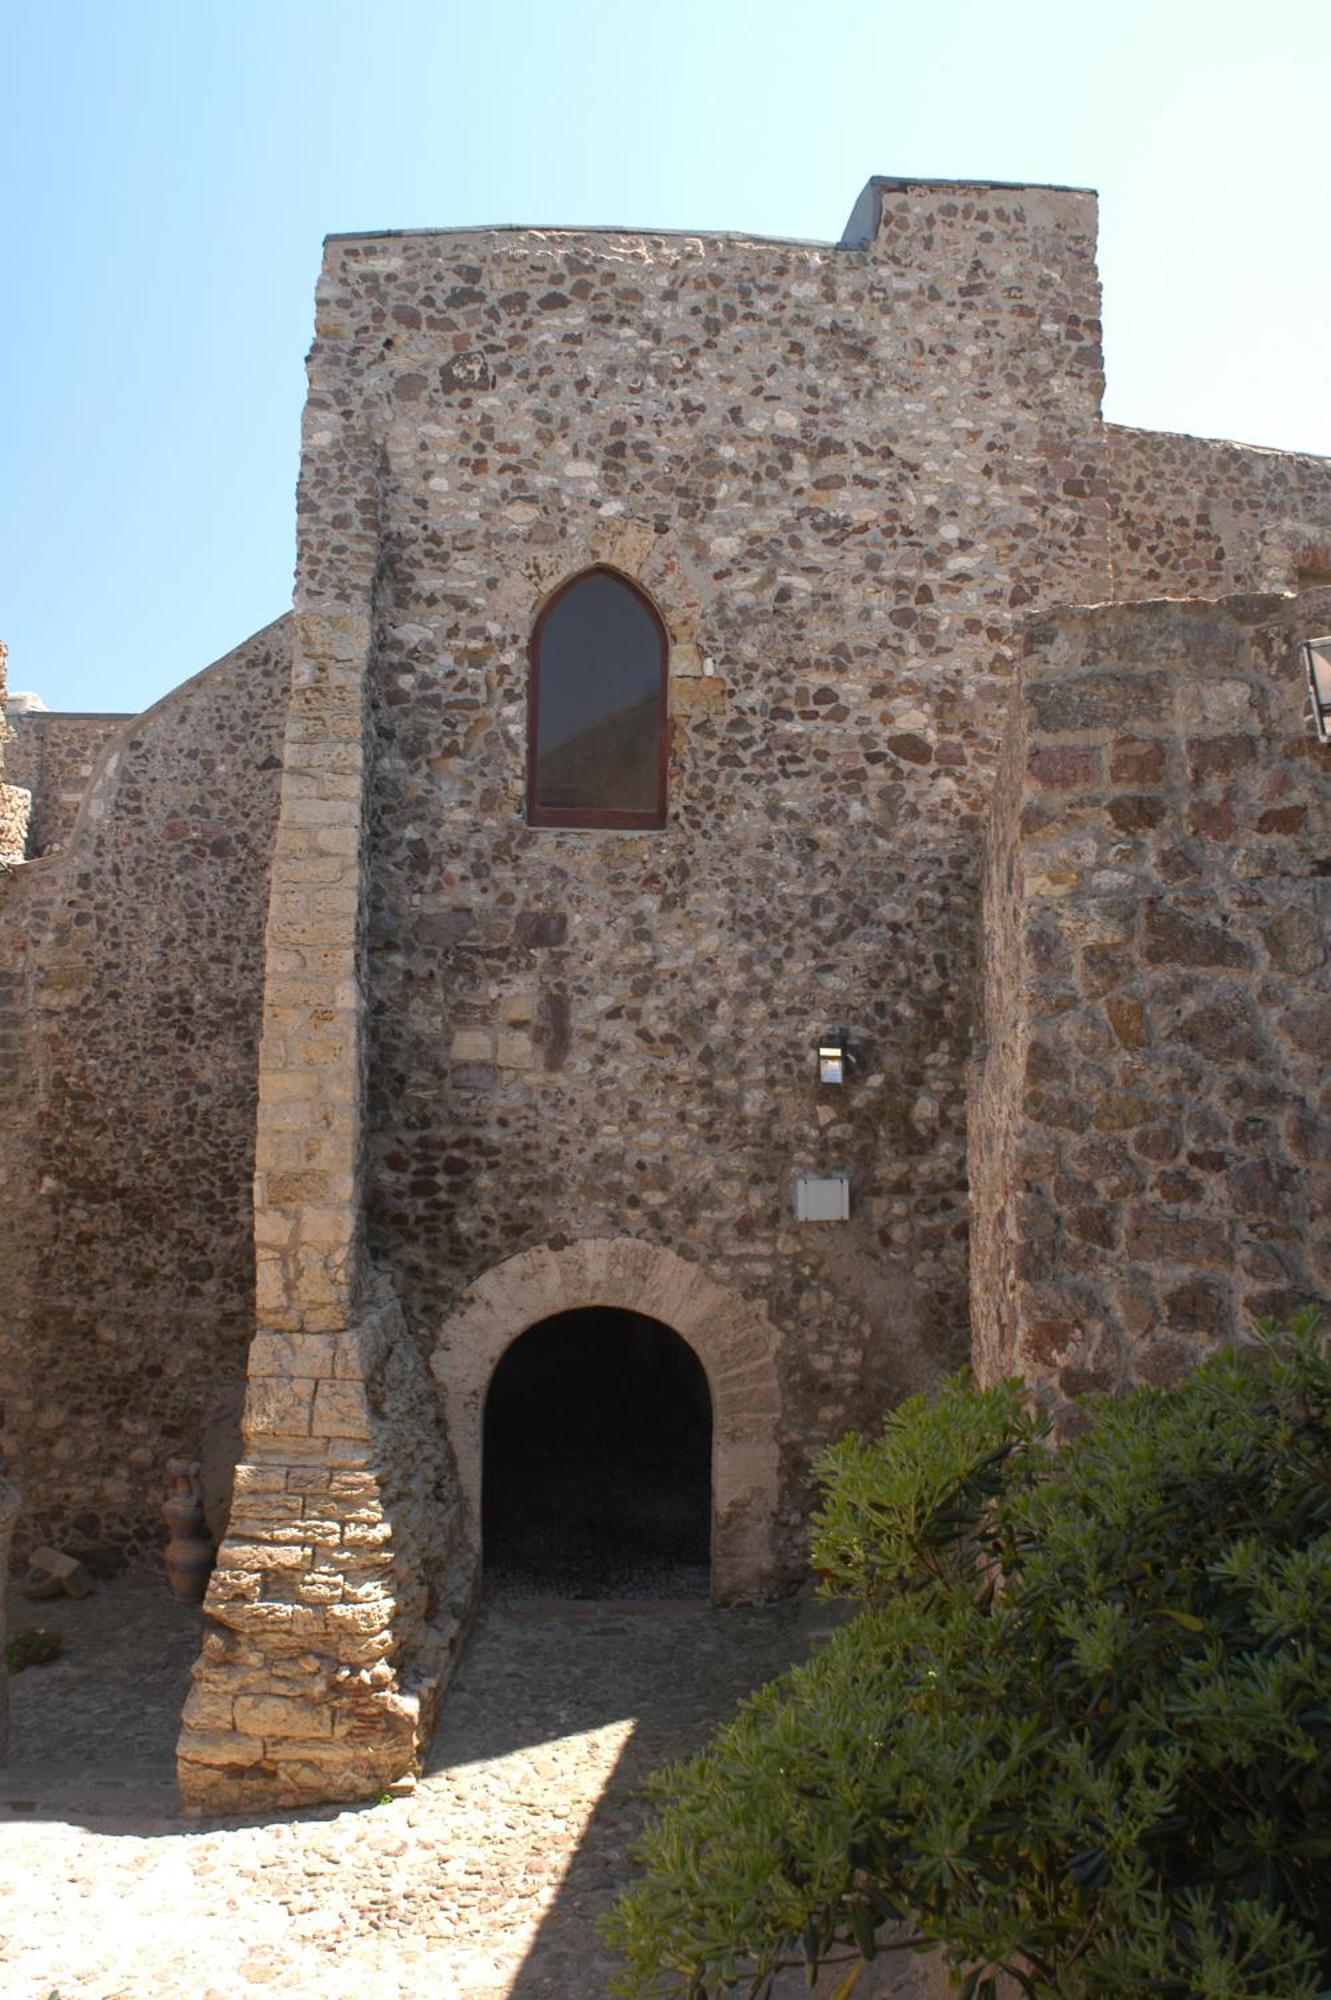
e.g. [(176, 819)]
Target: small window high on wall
[(596, 725)]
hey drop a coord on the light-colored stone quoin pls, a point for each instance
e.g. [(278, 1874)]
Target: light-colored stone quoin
[(323, 1068), (339, 1598)]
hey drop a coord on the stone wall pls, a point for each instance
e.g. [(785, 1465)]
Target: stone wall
[(1197, 517), (341, 1588), (339, 1598), (54, 756), (498, 1070), (130, 972), (571, 1036), (841, 475), (1153, 1126), (15, 798), (15, 815)]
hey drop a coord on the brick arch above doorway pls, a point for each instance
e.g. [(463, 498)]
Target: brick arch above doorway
[(732, 1338)]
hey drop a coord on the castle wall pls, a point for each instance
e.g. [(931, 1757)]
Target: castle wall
[(130, 969), (15, 798), (482, 1040), (839, 475), (1153, 1144), (1197, 517), (53, 756), (499, 1071)]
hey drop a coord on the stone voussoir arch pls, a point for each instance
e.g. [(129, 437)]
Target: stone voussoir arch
[(732, 1338)]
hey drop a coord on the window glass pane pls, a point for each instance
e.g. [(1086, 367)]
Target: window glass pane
[(599, 701)]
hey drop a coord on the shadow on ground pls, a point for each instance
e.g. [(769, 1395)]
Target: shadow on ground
[(519, 1833)]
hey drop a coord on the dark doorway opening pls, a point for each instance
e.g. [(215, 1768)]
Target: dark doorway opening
[(597, 1466)]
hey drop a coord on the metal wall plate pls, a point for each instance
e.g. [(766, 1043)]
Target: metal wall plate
[(822, 1197)]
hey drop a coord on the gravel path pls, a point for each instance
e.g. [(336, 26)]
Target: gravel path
[(486, 1882)]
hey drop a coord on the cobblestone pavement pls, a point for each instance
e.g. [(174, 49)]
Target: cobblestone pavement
[(484, 1883)]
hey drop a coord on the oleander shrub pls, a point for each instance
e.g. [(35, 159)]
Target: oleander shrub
[(1078, 1731)]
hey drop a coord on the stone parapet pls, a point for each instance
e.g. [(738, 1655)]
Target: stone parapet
[(342, 1590), (56, 757), (1200, 517), (1151, 1135)]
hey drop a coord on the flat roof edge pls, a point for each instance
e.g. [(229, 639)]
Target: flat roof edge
[(1220, 443), (13, 715), (574, 229), (904, 182), (894, 183)]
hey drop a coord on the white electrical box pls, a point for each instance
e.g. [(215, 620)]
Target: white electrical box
[(822, 1197)]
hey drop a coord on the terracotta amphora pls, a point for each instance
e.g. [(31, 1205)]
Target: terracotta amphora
[(191, 1551)]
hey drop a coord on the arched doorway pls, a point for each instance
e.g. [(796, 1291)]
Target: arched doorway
[(596, 1463), (732, 1338)]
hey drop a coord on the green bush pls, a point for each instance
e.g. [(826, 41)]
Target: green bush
[(1079, 1731), (33, 1647)]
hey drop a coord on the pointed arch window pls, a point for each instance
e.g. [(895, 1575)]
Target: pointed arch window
[(596, 721)]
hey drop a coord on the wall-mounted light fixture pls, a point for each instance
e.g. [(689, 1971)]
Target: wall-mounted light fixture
[(833, 1057), (1317, 665)]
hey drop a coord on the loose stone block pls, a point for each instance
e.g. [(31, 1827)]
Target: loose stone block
[(52, 1573)]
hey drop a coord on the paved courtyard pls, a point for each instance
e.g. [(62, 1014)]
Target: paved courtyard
[(484, 1883)]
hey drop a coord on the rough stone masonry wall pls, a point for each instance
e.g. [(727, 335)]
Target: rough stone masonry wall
[(1154, 1145), (841, 474), (330, 1622), (15, 797), (54, 757), (483, 412), (130, 969), (998, 1064), (338, 1598), (1196, 517)]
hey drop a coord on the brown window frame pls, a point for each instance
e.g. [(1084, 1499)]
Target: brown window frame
[(596, 816)]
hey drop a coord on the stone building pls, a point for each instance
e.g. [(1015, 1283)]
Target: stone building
[(405, 984)]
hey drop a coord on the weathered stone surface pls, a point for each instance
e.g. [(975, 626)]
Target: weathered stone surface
[(127, 1111), (1296, 939), (495, 1064), (1193, 1025), (52, 1573), (1097, 701), (1175, 938), (333, 1695), (1309, 1027), (1127, 1018), (1226, 1028)]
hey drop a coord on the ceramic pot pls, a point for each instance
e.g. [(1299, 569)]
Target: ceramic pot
[(191, 1551)]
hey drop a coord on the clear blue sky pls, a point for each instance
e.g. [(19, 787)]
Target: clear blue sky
[(171, 169)]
